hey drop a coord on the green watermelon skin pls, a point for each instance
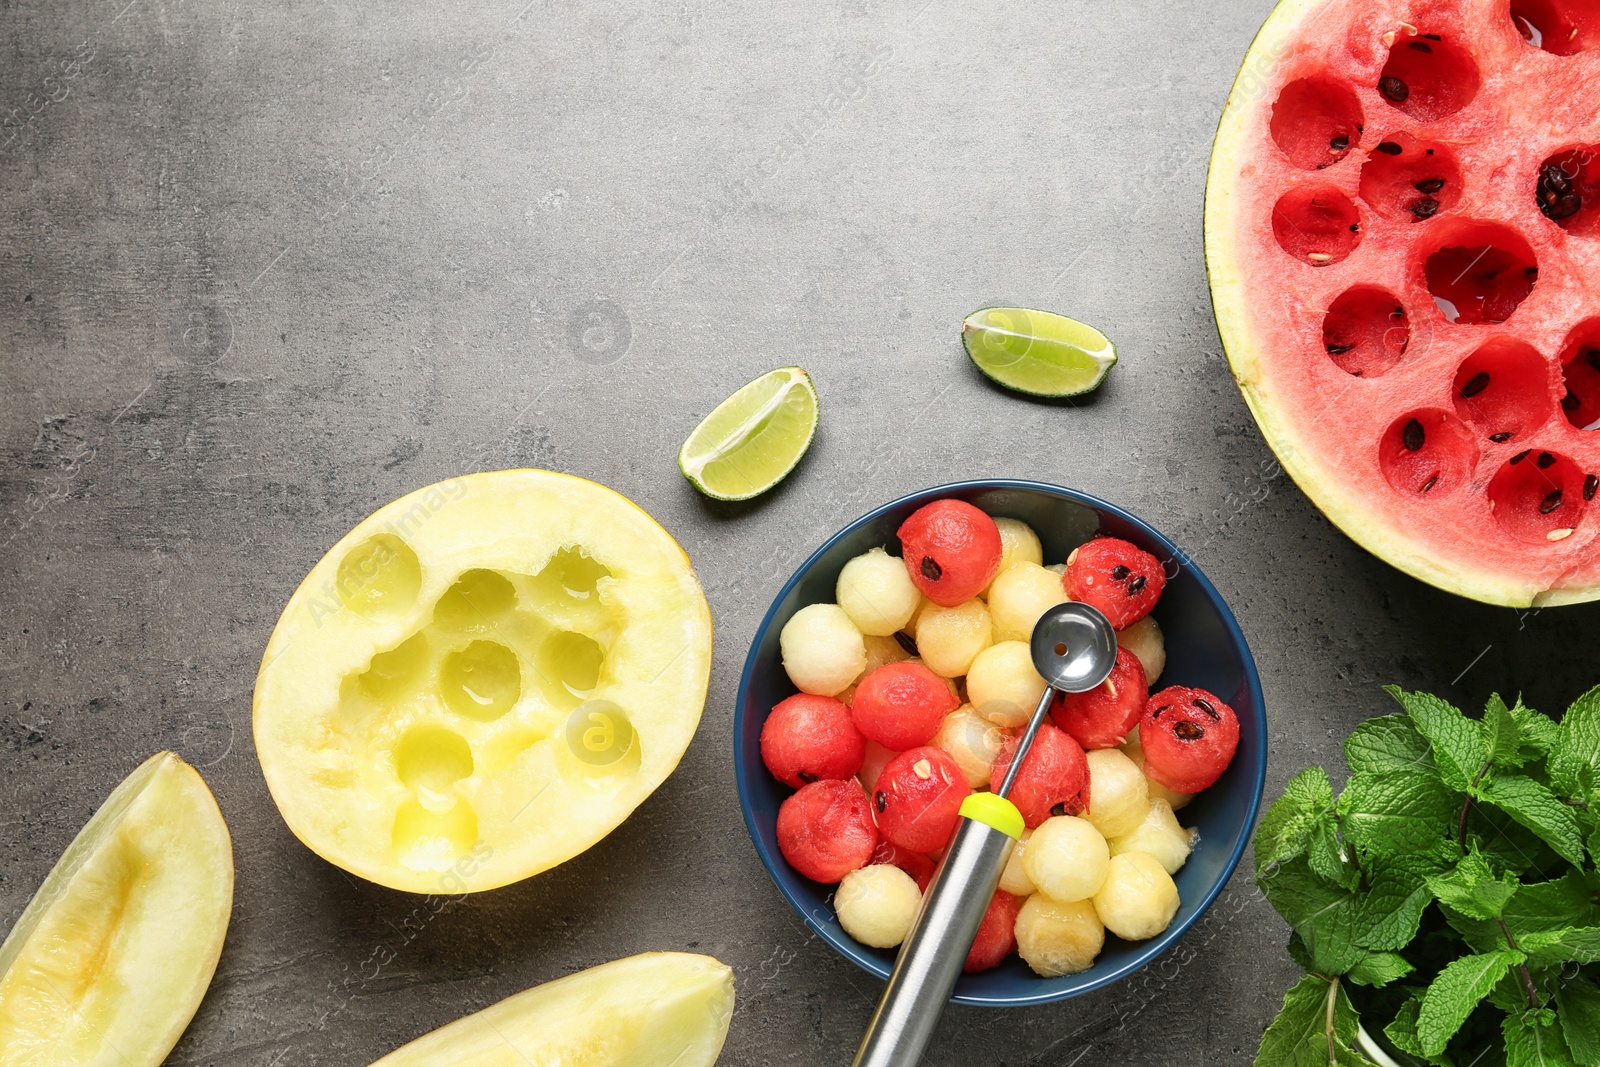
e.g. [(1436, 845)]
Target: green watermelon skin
[(1445, 433)]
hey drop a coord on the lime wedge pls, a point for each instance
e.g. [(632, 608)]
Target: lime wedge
[(752, 439), (1037, 353)]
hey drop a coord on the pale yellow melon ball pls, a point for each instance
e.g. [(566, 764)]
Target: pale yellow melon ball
[(877, 904), (1135, 751), (972, 741), (1144, 640), (1018, 544), (949, 639), (822, 650), (1118, 793), (1057, 569), (1019, 596), (1158, 834), (1055, 938), (1067, 858), (1014, 879), (1002, 684), (876, 592), (1138, 899)]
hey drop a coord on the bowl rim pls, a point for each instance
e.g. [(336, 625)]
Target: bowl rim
[(1152, 948)]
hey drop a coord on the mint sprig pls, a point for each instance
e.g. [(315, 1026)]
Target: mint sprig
[(1448, 895)]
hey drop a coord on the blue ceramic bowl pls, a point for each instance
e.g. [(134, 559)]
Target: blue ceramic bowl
[(1204, 648)]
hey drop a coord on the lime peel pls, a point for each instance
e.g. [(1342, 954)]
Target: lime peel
[(1037, 352), (753, 439)]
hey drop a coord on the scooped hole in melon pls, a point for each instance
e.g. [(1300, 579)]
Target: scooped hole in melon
[(1560, 27), (379, 577), (1504, 389), (1428, 77), (1480, 272), (1580, 369), (1567, 190), (1366, 331), (1537, 496), (1411, 180), (476, 600), (1316, 121), (1316, 224), (482, 681), (1428, 452)]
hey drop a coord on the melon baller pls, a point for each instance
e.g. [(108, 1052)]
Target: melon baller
[(1073, 648)]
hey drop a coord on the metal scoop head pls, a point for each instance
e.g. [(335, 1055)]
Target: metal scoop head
[(1073, 647)]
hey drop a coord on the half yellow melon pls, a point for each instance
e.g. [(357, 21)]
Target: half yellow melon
[(481, 680), (659, 1009), (110, 959)]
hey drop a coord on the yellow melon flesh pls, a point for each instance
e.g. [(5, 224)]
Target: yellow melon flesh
[(109, 961), (659, 1009), (481, 680)]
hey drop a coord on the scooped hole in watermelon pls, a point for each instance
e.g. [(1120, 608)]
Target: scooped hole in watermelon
[(1316, 121), (1504, 389), (1411, 180), (1537, 496), (1480, 272), (1428, 452), (1580, 368), (1428, 76), (1568, 190), (1316, 224), (1366, 331), (1561, 27)]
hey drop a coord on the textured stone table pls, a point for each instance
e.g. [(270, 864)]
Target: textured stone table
[(264, 267)]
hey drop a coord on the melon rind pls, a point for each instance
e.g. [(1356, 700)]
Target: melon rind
[(1369, 522)]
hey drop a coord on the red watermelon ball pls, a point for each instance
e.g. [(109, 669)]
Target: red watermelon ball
[(918, 798), (825, 830), (807, 738), (996, 934), (918, 866), (1054, 779), (1103, 717), (1188, 737), (952, 551), (1116, 576), (900, 705)]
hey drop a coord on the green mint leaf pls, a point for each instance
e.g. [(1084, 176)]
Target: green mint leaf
[(1325, 916), (1536, 807), (1575, 757), (1397, 813), (1502, 734), (1568, 945), (1535, 908), (1379, 969), (1452, 996), (1392, 907), (1578, 1005), (1387, 743), (1534, 1040), (1539, 731), (1328, 856), (1403, 1030), (1299, 1036), (1459, 750), (1472, 888), (1285, 830)]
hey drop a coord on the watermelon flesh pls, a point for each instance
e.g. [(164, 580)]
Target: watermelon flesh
[(1403, 238)]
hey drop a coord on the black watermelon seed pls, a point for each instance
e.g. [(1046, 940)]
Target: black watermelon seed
[(1394, 89), (1119, 572), (1426, 208), (907, 642), (1339, 143), (1339, 350), (1188, 731), (1415, 436), (931, 569), (1555, 179), (1428, 485), (1590, 484), (1389, 148), (1519, 457), (1570, 402), (1421, 46), (1592, 357), (1551, 502), (1430, 185), (1502, 437), (1564, 208), (1398, 313), (1429, 152), (806, 776), (1205, 705), (1355, 227), (1475, 385), (1432, 37), (1136, 586), (1546, 461), (881, 799)]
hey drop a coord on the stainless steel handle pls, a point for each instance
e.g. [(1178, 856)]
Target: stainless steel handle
[(930, 959)]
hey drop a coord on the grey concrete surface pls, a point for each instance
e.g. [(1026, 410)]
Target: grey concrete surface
[(264, 267)]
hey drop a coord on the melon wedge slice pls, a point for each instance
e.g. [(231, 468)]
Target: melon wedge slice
[(659, 1009), (110, 959)]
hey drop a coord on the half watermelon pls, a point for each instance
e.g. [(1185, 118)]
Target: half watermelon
[(1403, 239)]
